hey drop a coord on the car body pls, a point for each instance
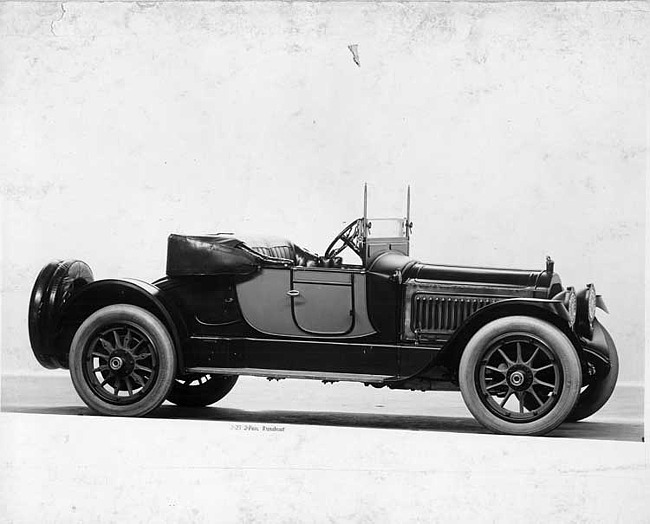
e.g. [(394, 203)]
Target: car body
[(525, 352)]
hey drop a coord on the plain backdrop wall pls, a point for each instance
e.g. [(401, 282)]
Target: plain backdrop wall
[(521, 127)]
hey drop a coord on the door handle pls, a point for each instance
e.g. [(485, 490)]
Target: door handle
[(293, 292)]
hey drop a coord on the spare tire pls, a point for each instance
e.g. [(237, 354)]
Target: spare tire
[(55, 284)]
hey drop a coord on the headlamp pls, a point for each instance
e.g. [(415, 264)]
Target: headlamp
[(587, 302), (591, 302), (572, 305)]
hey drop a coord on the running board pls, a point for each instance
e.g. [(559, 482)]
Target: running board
[(285, 373), (333, 343)]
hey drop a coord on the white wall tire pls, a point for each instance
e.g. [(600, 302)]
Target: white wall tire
[(517, 359), (122, 361)]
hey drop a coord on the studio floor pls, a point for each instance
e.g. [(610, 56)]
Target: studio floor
[(306, 402)]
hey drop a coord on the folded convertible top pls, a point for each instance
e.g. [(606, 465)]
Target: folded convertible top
[(224, 254)]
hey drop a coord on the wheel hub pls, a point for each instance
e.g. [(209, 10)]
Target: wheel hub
[(519, 377), (121, 362)]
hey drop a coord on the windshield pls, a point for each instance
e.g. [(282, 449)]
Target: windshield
[(386, 228)]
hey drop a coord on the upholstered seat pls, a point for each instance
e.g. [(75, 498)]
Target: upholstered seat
[(282, 249), (279, 250)]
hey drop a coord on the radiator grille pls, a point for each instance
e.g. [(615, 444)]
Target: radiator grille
[(436, 313)]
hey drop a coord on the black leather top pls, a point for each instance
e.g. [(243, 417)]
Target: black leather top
[(226, 254), (208, 255)]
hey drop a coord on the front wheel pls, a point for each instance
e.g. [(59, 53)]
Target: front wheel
[(122, 361), (200, 390), (520, 376)]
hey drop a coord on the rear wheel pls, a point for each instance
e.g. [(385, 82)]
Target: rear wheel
[(122, 361), (520, 376), (200, 390)]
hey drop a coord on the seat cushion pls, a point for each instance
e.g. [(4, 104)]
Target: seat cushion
[(273, 247)]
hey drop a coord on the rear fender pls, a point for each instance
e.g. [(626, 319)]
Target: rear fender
[(102, 293)]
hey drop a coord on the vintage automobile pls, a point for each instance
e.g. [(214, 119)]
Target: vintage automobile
[(525, 352)]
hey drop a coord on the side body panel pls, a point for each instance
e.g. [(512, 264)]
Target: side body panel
[(293, 357), (221, 339), (208, 304)]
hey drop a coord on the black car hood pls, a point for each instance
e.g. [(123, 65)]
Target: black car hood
[(388, 263)]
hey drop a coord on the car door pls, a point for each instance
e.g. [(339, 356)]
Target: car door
[(306, 302), (322, 300)]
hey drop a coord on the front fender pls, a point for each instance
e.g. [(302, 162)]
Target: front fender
[(102, 293), (600, 350), (552, 311)]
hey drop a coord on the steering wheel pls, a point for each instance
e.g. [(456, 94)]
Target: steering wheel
[(347, 238)]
